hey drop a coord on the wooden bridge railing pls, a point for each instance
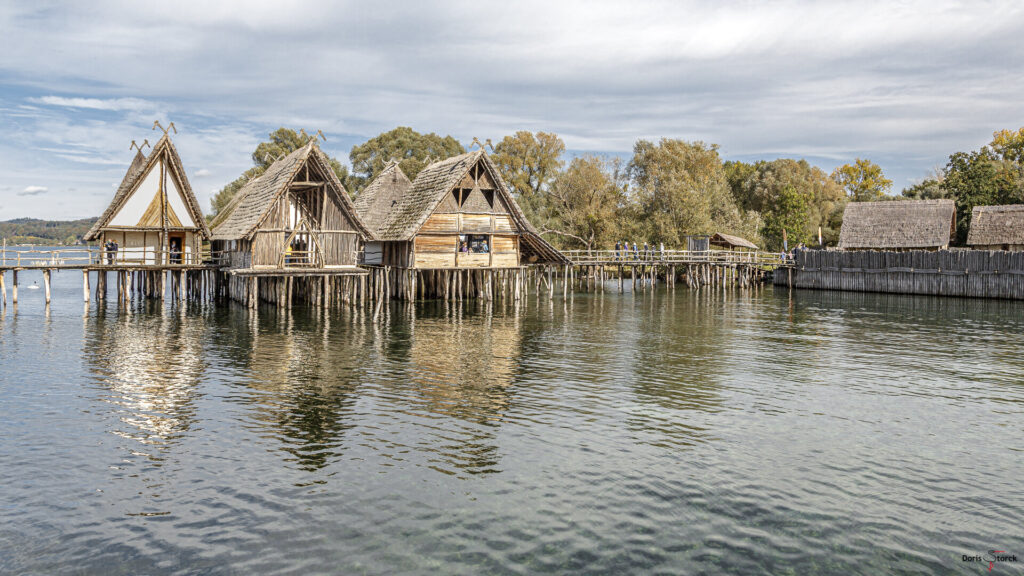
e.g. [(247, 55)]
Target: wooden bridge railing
[(677, 257), (86, 256)]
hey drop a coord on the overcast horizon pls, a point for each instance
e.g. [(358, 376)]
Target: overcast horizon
[(904, 85)]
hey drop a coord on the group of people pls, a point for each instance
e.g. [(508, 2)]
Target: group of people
[(622, 251), (110, 250), (474, 245), (297, 252)]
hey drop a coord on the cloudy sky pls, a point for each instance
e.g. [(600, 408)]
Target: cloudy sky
[(902, 83)]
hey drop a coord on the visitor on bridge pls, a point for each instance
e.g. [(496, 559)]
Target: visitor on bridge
[(618, 246), (636, 252), (647, 251)]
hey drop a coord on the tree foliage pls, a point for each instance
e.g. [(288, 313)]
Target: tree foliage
[(584, 202), (863, 180), (282, 142), (410, 148), (530, 163), (681, 188)]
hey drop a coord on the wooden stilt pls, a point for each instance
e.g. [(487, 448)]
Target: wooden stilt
[(14, 286), (85, 285), (46, 284)]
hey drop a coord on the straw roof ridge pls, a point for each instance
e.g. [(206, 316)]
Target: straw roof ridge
[(897, 224), (991, 225), (385, 192), (139, 167), (252, 204)]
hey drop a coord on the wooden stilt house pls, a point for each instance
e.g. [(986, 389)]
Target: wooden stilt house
[(154, 217), (296, 218), (457, 214)]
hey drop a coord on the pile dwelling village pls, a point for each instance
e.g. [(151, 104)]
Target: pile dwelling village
[(455, 232)]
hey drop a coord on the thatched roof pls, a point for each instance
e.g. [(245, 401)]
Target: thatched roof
[(992, 225), (897, 224), (731, 241), (383, 195), (139, 167), (251, 205), (435, 182)]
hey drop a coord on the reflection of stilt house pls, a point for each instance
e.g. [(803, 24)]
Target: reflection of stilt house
[(154, 217), (456, 227), (293, 221)]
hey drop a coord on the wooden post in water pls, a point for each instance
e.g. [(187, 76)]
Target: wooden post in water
[(85, 284), (14, 286), (46, 284), (3, 286)]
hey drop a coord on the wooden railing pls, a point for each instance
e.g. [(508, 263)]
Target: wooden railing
[(97, 256), (677, 257)]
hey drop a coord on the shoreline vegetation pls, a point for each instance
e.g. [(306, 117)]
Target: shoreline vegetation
[(665, 191)]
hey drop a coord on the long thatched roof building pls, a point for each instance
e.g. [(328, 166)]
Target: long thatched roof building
[(898, 225), (997, 227)]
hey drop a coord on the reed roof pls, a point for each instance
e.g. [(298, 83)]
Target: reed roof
[(720, 239), (139, 167), (897, 224), (253, 203), (992, 225), (383, 195), (435, 182)]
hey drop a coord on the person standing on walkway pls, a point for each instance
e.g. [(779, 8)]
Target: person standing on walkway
[(617, 248)]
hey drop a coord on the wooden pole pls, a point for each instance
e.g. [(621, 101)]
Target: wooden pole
[(85, 284), (3, 286), (14, 286), (46, 284)]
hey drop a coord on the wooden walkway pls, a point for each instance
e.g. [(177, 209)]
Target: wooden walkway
[(763, 260)]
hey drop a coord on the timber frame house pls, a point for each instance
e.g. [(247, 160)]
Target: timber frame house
[(457, 214), (154, 217), (294, 219)]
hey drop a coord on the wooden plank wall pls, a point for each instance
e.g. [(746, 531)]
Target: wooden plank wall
[(967, 273)]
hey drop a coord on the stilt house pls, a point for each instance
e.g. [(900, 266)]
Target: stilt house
[(997, 228), (154, 216), (294, 218), (458, 213), (898, 225), (730, 242)]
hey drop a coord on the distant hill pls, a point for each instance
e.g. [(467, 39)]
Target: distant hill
[(50, 232)]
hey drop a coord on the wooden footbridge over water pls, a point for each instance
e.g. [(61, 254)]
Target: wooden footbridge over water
[(203, 275)]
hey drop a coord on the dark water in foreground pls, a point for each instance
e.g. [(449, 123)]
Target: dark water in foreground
[(684, 433)]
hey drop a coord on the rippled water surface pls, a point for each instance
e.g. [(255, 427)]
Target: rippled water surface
[(737, 432)]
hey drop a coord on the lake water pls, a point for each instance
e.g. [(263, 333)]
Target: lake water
[(760, 432)]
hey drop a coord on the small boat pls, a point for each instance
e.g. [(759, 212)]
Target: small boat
[(34, 286)]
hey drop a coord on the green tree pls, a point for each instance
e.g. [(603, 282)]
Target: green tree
[(530, 163), (410, 148), (863, 180), (927, 189), (282, 142), (777, 187), (584, 203), (681, 188), (980, 178), (737, 173)]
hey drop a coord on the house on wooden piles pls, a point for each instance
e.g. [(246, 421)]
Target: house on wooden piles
[(898, 225), (458, 213), (154, 217), (997, 228), (456, 220), (293, 221)]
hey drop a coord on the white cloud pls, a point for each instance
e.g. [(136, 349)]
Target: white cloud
[(109, 104), (33, 191), (201, 173)]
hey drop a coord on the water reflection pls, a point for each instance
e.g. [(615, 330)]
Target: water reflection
[(150, 367), (461, 366)]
